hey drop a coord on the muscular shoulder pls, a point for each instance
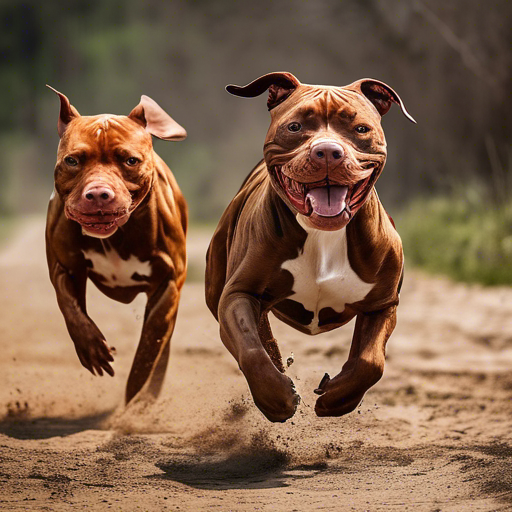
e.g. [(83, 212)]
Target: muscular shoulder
[(375, 248)]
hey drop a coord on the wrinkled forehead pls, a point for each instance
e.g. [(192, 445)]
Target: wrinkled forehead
[(106, 128), (328, 101)]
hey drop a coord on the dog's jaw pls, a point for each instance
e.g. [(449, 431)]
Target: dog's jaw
[(99, 225), (304, 198)]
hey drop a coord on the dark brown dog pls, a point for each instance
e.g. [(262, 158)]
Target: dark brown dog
[(118, 218), (307, 238)]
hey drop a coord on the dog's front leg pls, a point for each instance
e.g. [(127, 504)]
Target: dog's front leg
[(90, 344), (273, 393), (364, 367), (150, 362)]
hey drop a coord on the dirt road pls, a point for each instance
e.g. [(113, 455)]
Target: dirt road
[(435, 434)]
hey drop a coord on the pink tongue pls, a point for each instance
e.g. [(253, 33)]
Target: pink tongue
[(327, 201)]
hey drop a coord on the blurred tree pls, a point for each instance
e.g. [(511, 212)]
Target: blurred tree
[(450, 62)]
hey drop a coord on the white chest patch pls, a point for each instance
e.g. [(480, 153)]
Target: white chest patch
[(116, 271), (322, 275)]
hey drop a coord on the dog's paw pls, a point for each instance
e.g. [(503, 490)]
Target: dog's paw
[(282, 403), (328, 405), (273, 392), (320, 390), (339, 395), (95, 355)]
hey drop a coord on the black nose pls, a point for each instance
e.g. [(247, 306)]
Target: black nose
[(328, 153)]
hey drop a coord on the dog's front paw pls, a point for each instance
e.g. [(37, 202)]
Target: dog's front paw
[(339, 396), (94, 353), (281, 404), (332, 404), (273, 392)]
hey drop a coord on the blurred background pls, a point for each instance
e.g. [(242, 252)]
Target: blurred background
[(447, 179)]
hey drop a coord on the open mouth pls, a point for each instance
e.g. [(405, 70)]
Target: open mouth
[(326, 198), (101, 224)]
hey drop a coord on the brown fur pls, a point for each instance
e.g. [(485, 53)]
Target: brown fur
[(150, 221), (259, 232)]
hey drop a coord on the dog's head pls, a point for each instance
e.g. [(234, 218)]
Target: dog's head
[(105, 163), (325, 147)]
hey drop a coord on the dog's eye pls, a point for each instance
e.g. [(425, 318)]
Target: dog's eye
[(132, 161), (294, 127), (362, 128), (71, 161)]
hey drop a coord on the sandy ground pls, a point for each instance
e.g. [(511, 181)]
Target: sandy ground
[(434, 434)]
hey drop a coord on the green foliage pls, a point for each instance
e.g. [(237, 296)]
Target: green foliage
[(464, 236), (103, 54)]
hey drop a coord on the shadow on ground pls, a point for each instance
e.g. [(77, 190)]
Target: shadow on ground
[(238, 471), (45, 428)]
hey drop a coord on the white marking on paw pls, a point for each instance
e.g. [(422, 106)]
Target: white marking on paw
[(322, 275), (116, 271)]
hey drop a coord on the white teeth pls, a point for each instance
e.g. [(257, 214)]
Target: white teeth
[(290, 184), (293, 185)]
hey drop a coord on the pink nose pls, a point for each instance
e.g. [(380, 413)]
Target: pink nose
[(326, 153), (98, 195)]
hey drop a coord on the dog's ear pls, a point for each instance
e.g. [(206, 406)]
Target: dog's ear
[(67, 112), (280, 85), (156, 121), (380, 95)]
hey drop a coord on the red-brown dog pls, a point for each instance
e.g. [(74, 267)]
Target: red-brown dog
[(307, 238), (118, 218)]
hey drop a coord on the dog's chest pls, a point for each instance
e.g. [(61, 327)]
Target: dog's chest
[(117, 272), (322, 275)]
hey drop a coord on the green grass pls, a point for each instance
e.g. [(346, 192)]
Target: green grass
[(465, 236)]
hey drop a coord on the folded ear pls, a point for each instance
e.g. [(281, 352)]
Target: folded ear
[(381, 95), (67, 112), (280, 85), (157, 122)]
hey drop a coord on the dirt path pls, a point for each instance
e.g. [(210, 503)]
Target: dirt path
[(435, 434)]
